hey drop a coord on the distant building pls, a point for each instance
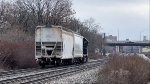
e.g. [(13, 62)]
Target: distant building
[(131, 49), (145, 39), (110, 38), (127, 40)]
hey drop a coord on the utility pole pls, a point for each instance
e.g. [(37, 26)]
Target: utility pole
[(118, 47), (140, 36), (103, 47)]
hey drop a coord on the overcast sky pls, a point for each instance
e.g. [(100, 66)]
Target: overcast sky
[(130, 17)]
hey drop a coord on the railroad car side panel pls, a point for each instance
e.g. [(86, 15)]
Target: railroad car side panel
[(78, 46), (48, 35), (67, 45)]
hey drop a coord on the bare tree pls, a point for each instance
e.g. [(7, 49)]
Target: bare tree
[(90, 30), (42, 12), (4, 24)]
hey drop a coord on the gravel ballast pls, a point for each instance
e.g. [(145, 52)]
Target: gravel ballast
[(83, 77)]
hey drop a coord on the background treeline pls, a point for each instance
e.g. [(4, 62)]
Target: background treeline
[(19, 18)]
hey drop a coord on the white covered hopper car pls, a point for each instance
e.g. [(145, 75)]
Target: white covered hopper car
[(55, 45)]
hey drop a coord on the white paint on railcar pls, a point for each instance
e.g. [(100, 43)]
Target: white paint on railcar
[(48, 35), (67, 45), (78, 45)]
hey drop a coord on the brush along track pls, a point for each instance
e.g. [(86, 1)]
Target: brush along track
[(48, 74)]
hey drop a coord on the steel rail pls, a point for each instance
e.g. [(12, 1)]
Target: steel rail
[(48, 73)]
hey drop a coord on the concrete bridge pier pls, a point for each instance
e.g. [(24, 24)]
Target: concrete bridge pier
[(117, 49), (140, 49)]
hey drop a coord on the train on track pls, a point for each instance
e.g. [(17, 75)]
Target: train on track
[(56, 45)]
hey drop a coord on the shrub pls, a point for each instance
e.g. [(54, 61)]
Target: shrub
[(125, 70), (16, 50), (17, 55)]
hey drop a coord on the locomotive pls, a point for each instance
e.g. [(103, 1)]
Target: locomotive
[(55, 45)]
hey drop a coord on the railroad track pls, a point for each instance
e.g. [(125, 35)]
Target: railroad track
[(43, 75), (10, 73)]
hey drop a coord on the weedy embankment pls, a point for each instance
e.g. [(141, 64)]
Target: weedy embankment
[(125, 70)]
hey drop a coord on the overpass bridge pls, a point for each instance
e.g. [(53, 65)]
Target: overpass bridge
[(118, 45), (128, 44)]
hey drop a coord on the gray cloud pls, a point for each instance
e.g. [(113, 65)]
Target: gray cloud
[(129, 16)]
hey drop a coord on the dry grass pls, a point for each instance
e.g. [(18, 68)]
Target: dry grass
[(17, 55), (16, 50), (125, 70), (147, 54)]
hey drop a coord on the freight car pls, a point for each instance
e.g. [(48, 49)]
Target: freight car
[(56, 45)]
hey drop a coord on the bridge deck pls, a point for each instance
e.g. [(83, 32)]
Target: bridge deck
[(128, 44)]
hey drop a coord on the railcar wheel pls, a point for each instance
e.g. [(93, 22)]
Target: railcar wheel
[(83, 60), (72, 61), (42, 64), (86, 59), (59, 62)]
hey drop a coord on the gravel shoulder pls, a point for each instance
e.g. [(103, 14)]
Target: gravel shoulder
[(88, 77)]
